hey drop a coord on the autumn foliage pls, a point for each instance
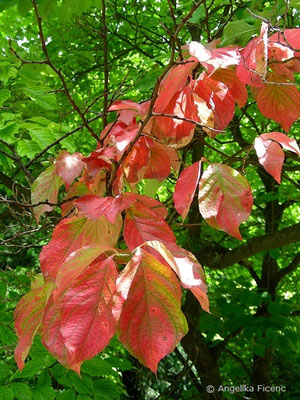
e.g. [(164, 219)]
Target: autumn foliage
[(93, 288)]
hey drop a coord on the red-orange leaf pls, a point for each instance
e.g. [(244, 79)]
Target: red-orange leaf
[(74, 233), (87, 323), (280, 103), (186, 187), (147, 307), (270, 156), (225, 198), (143, 224), (69, 166), (45, 188), (237, 88), (28, 316)]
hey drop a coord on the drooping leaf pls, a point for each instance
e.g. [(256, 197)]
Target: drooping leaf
[(280, 103), (68, 166), (237, 89), (285, 141), (217, 97), (147, 306), (72, 234), (45, 188), (28, 316), (225, 198), (186, 187), (87, 321), (187, 268), (270, 156), (52, 338), (143, 224), (253, 64)]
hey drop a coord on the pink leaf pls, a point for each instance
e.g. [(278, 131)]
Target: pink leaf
[(147, 306), (186, 187), (69, 166), (225, 198), (270, 156), (286, 142)]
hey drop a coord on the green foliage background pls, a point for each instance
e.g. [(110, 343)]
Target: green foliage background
[(34, 113)]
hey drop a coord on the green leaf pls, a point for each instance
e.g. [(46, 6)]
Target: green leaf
[(4, 95), (24, 6), (4, 370), (44, 379), (32, 368), (259, 349), (122, 363), (7, 133), (4, 4), (46, 7), (6, 335), (68, 394), (45, 100), (107, 388), (77, 7), (43, 393), (6, 393), (238, 32), (3, 289), (6, 72), (151, 187), (21, 391), (197, 15), (97, 367), (28, 148), (41, 135), (83, 385)]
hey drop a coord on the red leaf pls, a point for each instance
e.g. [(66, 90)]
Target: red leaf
[(28, 316), (76, 190), (75, 264), (137, 161), (69, 166), (286, 142), (217, 97), (52, 338), (270, 156), (237, 89), (159, 166), (173, 83), (151, 323), (87, 321), (187, 268), (72, 234), (94, 207), (45, 188), (292, 36), (143, 224), (254, 57), (176, 132), (186, 187), (225, 198), (280, 103)]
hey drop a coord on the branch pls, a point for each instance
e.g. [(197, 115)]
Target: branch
[(290, 268), (253, 246)]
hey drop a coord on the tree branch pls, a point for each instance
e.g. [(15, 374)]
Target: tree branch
[(252, 247)]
